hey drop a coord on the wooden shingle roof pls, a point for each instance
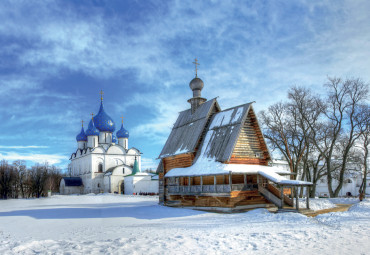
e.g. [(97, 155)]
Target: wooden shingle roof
[(188, 129), (223, 132)]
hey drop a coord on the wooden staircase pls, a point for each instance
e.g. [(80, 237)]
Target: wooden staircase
[(273, 194)]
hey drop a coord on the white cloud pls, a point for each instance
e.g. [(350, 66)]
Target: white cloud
[(33, 157), (165, 109), (148, 163), (24, 147)]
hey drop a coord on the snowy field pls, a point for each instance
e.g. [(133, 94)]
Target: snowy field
[(114, 224)]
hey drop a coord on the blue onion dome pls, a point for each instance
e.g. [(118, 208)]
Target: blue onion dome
[(103, 122), (122, 133), (81, 136), (92, 130), (114, 138)]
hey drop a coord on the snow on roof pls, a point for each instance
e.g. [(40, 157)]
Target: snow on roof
[(211, 167), (187, 130), (223, 133), (274, 177), (227, 117)]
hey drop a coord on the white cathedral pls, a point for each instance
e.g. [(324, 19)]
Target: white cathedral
[(102, 158)]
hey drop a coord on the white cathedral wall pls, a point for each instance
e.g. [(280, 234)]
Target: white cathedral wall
[(107, 188), (105, 137), (115, 181), (97, 183)]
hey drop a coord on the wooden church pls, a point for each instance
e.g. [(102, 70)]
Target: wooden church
[(218, 159)]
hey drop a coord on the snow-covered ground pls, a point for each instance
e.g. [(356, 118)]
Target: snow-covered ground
[(114, 224)]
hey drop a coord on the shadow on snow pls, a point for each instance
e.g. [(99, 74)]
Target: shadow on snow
[(113, 210)]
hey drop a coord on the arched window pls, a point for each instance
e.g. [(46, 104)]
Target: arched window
[(100, 167), (123, 170)]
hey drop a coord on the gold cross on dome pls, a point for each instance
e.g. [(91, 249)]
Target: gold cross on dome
[(101, 95), (82, 122), (92, 116), (196, 67), (122, 119)]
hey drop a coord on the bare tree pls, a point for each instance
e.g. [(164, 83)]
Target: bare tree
[(21, 176), (53, 179), (363, 120), (7, 178), (309, 109), (38, 177), (317, 136), (283, 133), (342, 104)]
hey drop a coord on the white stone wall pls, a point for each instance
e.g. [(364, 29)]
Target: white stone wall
[(68, 190), (140, 184), (353, 187)]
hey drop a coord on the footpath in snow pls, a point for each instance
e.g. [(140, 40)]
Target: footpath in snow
[(115, 224)]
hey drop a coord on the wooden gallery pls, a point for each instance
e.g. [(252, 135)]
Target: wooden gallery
[(218, 159)]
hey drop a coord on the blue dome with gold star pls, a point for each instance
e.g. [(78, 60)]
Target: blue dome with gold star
[(103, 121), (122, 133), (92, 130), (81, 136)]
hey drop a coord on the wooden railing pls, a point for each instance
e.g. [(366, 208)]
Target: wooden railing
[(277, 193), (272, 193), (219, 188)]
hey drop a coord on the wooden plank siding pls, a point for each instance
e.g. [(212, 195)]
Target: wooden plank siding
[(178, 161), (250, 147)]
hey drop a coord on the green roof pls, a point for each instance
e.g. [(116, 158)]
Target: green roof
[(135, 168)]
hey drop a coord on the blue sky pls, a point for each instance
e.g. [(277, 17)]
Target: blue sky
[(56, 56)]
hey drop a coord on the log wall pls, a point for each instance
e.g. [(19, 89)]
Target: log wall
[(250, 147), (237, 198), (178, 161)]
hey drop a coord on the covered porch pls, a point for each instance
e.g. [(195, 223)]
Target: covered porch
[(209, 185)]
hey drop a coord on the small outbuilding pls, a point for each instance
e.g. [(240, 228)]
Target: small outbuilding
[(71, 185), (140, 183)]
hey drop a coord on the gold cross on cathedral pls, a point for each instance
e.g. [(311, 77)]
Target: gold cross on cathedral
[(196, 67), (101, 95), (122, 119), (82, 122), (92, 116)]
